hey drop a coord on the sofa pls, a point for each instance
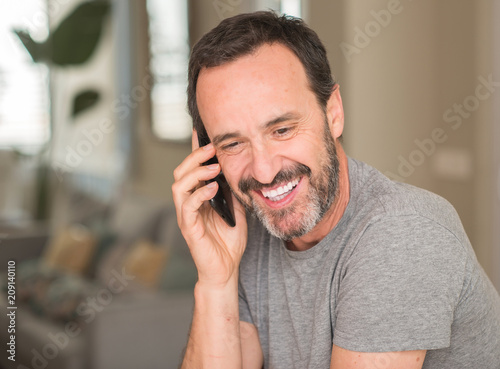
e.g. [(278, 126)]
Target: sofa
[(120, 296)]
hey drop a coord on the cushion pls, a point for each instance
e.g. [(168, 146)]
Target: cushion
[(71, 250), (146, 261)]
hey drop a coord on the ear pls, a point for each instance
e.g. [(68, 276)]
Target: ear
[(194, 140), (335, 113)]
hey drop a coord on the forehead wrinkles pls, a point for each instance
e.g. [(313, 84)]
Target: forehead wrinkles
[(273, 71)]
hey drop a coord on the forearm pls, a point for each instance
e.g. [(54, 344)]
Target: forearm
[(214, 340)]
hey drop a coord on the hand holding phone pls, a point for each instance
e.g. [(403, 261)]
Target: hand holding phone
[(222, 201), (216, 246)]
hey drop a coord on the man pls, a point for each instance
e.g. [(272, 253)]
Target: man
[(330, 264)]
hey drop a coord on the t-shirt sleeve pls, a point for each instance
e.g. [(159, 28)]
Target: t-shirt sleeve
[(399, 287)]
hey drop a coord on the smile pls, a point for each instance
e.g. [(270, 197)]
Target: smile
[(280, 192)]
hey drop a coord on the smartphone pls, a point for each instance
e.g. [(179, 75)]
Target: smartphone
[(222, 201)]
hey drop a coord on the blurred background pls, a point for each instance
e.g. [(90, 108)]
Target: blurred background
[(93, 122)]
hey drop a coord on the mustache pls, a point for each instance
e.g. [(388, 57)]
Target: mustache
[(285, 175)]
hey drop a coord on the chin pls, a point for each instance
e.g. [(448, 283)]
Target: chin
[(292, 224)]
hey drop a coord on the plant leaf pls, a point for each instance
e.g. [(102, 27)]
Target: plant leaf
[(83, 101)]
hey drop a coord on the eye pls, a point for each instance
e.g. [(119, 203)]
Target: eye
[(284, 132), (232, 147)]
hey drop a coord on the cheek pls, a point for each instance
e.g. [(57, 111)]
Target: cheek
[(233, 170), (307, 150)]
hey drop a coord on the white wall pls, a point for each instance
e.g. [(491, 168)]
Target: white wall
[(494, 195)]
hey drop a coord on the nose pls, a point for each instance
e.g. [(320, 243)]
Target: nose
[(265, 164)]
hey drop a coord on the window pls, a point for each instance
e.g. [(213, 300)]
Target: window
[(169, 53), (24, 94)]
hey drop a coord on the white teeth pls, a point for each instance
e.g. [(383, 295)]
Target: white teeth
[(280, 192)]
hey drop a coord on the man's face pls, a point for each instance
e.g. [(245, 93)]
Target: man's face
[(272, 138), (299, 217)]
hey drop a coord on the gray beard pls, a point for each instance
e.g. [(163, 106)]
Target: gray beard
[(322, 194)]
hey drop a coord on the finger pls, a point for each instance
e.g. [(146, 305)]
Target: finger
[(194, 160), (184, 188), (190, 207), (187, 184)]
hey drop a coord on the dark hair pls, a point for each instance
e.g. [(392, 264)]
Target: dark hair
[(242, 34)]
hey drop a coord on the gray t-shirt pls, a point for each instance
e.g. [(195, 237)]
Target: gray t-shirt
[(397, 273)]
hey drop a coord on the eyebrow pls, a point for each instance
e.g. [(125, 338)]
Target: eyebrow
[(282, 118), (225, 136)]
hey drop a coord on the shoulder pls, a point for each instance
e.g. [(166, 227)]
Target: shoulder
[(382, 202), (400, 224)]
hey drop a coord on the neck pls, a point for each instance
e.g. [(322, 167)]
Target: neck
[(333, 215)]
